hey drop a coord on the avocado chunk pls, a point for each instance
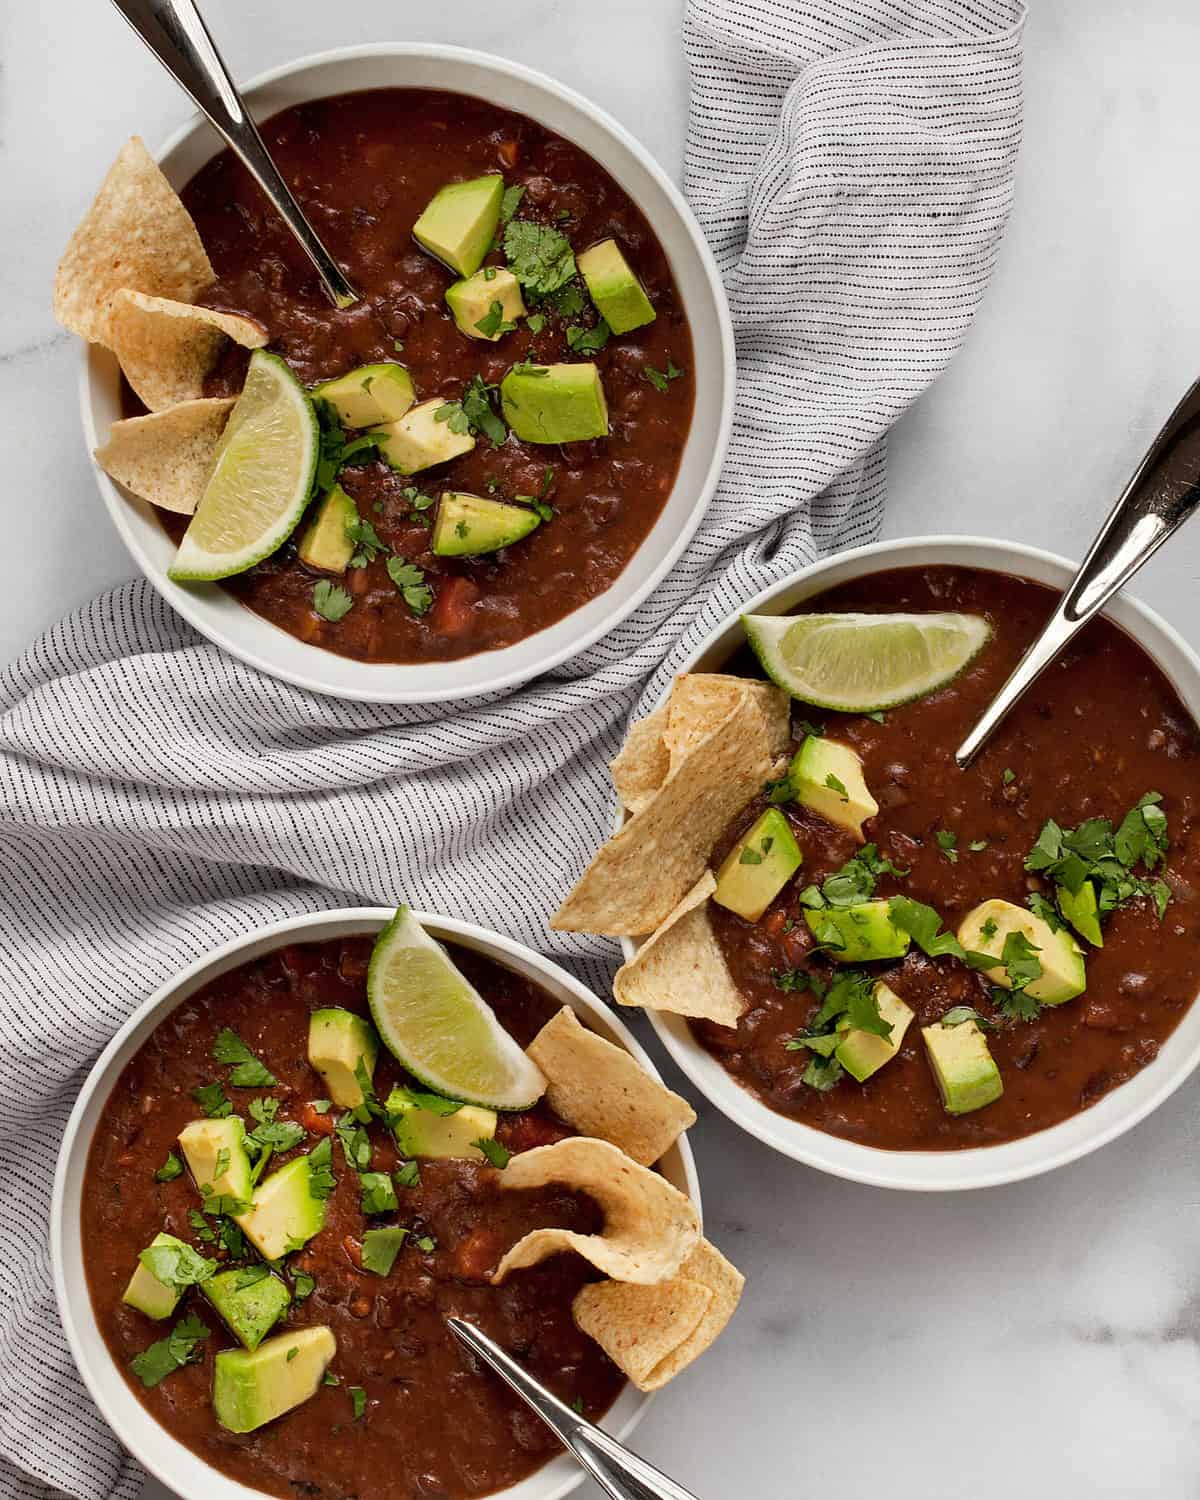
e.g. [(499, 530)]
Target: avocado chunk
[(857, 934), (758, 866), (249, 1303), (828, 777), (1082, 911), (368, 395), (155, 1298), (215, 1151), (283, 1214), (555, 403), (619, 296), (419, 441), (337, 1041), (420, 1133), (324, 544), (862, 1053), (966, 1072), (468, 525), (459, 222), (253, 1387), (491, 297), (988, 926)]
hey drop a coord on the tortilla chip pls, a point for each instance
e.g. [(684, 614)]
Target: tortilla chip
[(642, 873), (681, 968), (603, 1092), (650, 1228), (136, 234), (700, 700), (166, 458), (643, 762), (167, 348), (654, 1332)]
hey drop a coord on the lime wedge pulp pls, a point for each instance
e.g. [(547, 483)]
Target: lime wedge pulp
[(439, 1027), (261, 480), (859, 663)]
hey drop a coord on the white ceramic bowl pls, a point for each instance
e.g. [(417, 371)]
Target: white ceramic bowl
[(219, 616), (183, 1471), (985, 1166)]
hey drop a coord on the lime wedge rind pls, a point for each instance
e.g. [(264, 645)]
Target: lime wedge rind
[(862, 663), (261, 480), (433, 1021)]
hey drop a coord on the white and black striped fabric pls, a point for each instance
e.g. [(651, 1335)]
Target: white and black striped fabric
[(852, 164)]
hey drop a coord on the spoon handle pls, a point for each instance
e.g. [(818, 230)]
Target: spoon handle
[(1163, 493), (178, 37), (618, 1471)]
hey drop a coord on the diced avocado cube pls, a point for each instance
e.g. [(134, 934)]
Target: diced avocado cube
[(418, 440), (985, 929), (857, 934), (323, 543), (555, 403), (459, 222), (828, 777), (368, 395), (475, 300), (758, 866), (283, 1214), (862, 1053), (468, 525), (420, 1133), (249, 1307), (215, 1151), (253, 1387), (966, 1073), (1082, 911), (337, 1041), (149, 1295), (618, 294)]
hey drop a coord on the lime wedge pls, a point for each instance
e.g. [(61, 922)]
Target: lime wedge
[(858, 663), (439, 1027), (261, 482)]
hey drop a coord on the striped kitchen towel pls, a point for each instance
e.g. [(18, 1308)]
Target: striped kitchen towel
[(851, 162)]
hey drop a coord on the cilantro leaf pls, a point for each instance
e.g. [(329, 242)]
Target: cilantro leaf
[(427, 1244), (588, 340), (212, 1099), (378, 1194), (478, 404), (498, 1155), (408, 1176), (170, 1169), (248, 1071), (823, 1073), (358, 1400), (923, 924), (303, 1286), (330, 600), (947, 842), (176, 1265), (433, 1104), (410, 580), (321, 1181), (958, 1014), (510, 201), (539, 257), (854, 882), (1016, 1005), (661, 379), (1020, 957), (380, 1248), (154, 1364), (494, 322)]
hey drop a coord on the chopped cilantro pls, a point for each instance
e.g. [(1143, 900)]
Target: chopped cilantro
[(330, 600), (838, 786), (1040, 907), (154, 1364), (432, 1104), (329, 1378), (823, 1073), (854, 882), (796, 981), (303, 1286), (511, 199), (177, 1265), (958, 1014), (380, 1248), (321, 1181), (367, 541), (494, 322), (212, 1099), (660, 379), (479, 408), (1093, 851), (410, 580), (977, 846), (358, 1400), (378, 1194), (567, 301), (535, 322), (1008, 776), (408, 1176), (291, 1354), (427, 1243), (497, 1154), (248, 1072), (924, 926), (588, 340), (356, 1144), (251, 1276), (988, 931), (1020, 957), (947, 842), (170, 1169), (877, 715), (1016, 1005), (538, 256)]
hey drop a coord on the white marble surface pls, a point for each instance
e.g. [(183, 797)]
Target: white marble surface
[(1037, 1340)]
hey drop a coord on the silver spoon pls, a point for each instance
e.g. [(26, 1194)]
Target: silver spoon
[(175, 33), (1163, 493), (618, 1471)]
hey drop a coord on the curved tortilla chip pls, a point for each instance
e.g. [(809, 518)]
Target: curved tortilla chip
[(642, 873), (654, 1332), (643, 762), (166, 458), (603, 1092), (166, 348), (136, 234), (681, 968), (700, 700), (650, 1228)]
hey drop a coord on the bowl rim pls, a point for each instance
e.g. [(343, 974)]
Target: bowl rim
[(105, 1383), (191, 606), (978, 1166)]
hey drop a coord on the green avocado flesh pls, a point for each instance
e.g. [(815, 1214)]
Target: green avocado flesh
[(283, 1214), (460, 222), (338, 1041), (209, 1144), (828, 778), (248, 1311), (619, 296), (490, 296), (862, 1053), (857, 934), (419, 441), (420, 1133), (146, 1292), (468, 525), (323, 544), (758, 866), (253, 1387), (368, 395), (555, 403), (985, 929), (966, 1073)]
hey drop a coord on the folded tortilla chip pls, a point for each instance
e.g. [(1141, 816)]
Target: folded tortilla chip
[(700, 700), (167, 348), (642, 764), (650, 1228), (136, 234), (603, 1092), (681, 968), (642, 873), (166, 458), (653, 1332)]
